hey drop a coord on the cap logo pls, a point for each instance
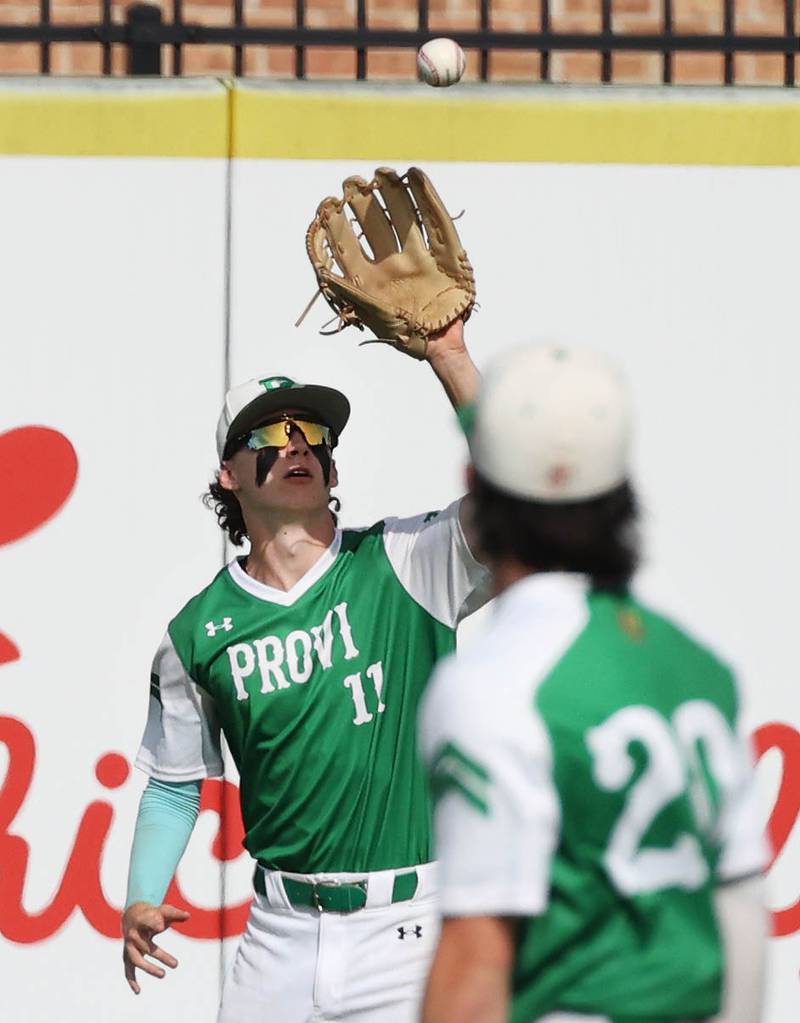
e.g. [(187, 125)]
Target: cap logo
[(276, 383), (559, 476)]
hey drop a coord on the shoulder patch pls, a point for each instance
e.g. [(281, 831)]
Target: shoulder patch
[(631, 623), (155, 687), (431, 516), (452, 770)]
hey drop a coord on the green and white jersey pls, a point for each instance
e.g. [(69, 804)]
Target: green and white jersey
[(316, 690), (589, 776)]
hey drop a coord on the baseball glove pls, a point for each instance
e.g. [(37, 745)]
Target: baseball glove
[(415, 281)]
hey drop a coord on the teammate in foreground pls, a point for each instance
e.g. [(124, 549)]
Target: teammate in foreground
[(311, 654), (595, 821)]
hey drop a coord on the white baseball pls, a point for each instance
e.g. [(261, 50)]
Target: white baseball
[(441, 62)]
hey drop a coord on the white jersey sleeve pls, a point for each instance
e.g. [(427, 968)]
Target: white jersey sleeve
[(497, 814), (181, 739), (430, 556)]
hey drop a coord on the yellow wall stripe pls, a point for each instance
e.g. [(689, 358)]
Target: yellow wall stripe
[(84, 122), (193, 119), (447, 127)]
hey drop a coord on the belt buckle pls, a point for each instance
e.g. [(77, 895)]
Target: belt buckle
[(315, 892)]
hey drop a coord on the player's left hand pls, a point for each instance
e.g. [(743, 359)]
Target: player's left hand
[(140, 923)]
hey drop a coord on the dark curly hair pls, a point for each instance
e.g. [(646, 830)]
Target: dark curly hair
[(598, 537), (225, 505)]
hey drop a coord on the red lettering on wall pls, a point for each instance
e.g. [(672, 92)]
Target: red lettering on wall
[(41, 467), (80, 887), (787, 806)]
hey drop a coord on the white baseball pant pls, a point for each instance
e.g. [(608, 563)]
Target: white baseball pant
[(297, 964)]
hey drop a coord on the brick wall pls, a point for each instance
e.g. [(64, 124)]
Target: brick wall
[(446, 16)]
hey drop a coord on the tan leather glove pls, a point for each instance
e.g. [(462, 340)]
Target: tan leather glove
[(413, 280)]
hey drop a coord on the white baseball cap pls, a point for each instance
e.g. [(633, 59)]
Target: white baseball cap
[(552, 424), (248, 404)]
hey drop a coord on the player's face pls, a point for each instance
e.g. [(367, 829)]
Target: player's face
[(288, 478)]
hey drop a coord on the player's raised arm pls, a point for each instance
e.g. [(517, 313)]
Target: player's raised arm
[(451, 362)]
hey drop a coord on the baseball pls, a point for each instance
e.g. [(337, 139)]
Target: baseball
[(441, 62)]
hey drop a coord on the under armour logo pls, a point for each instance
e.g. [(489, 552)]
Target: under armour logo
[(403, 931), (212, 629)]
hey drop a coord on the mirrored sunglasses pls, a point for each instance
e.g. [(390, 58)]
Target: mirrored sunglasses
[(276, 435)]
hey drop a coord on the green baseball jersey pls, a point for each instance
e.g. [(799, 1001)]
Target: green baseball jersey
[(590, 778), (316, 690)]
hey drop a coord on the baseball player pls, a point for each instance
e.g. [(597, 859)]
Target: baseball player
[(310, 654), (596, 821)]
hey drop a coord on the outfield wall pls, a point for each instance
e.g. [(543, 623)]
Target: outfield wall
[(152, 249)]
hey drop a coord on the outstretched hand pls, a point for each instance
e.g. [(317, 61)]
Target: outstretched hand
[(140, 923)]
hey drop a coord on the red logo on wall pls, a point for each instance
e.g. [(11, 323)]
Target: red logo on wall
[(40, 467), (80, 887), (787, 807)]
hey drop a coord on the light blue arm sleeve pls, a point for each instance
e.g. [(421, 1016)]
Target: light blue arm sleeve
[(167, 814)]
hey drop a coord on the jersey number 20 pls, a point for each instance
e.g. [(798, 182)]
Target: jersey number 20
[(673, 771)]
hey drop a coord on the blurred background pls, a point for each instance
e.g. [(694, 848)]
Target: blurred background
[(585, 41)]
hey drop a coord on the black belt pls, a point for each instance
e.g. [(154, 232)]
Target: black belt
[(336, 896)]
